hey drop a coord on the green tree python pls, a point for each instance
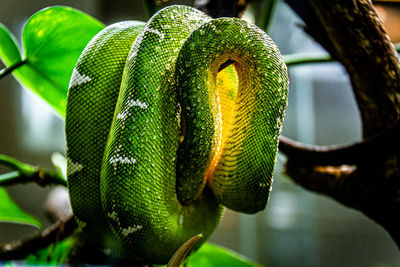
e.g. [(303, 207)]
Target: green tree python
[(162, 134)]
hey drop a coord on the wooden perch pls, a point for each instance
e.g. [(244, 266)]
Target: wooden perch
[(20, 249), (369, 150), (364, 176)]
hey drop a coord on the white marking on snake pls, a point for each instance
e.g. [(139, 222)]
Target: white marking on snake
[(77, 78), (155, 31), (123, 160), (136, 103), (116, 158), (73, 167), (123, 115), (263, 185), (113, 216), (130, 229)]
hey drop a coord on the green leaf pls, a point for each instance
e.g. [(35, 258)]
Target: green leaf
[(54, 254), (60, 163), (10, 53), (211, 255), (10, 212), (53, 40)]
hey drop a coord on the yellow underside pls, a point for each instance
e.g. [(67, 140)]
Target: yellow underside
[(227, 89)]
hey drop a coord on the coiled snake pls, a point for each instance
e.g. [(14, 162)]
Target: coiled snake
[(161, 134)]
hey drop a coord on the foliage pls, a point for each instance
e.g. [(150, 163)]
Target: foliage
[(53, 39), (211, 255), (10, 212), (54, 254)]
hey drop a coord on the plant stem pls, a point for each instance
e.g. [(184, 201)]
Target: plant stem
[(40, 176), (4, 72), (266, 15), (9, 178), (16, 164), (27, 173), (150, 8), (304, 58)]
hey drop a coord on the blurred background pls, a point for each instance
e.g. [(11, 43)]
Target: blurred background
[(298, 228)]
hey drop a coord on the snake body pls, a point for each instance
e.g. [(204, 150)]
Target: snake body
[(160, 139)]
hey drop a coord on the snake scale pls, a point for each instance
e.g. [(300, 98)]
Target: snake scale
[(162, 132)]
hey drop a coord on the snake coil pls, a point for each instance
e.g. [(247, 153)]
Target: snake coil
[(159, 138)]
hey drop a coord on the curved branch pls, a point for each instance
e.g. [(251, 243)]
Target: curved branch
[(22, 248), (386, 142), (369, 57), (327, 180)]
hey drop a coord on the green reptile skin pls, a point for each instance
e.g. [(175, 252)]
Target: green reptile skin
[(159, 141)]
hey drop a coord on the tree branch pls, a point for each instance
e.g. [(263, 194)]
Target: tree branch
[(328, 180), (22, 248), (353, 35), (365, 51), (365, 152)]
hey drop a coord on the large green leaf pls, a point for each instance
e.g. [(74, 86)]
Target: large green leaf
[(9, 50), (53, 39), (210, 255), (10, 212)]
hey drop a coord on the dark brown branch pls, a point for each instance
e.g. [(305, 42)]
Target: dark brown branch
[(21, 248), (387, 142), (378, 199), (353, 34), (363, 47), (351, 31), (327, 180)]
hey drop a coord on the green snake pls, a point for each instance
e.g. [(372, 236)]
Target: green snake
[(169, 122)]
